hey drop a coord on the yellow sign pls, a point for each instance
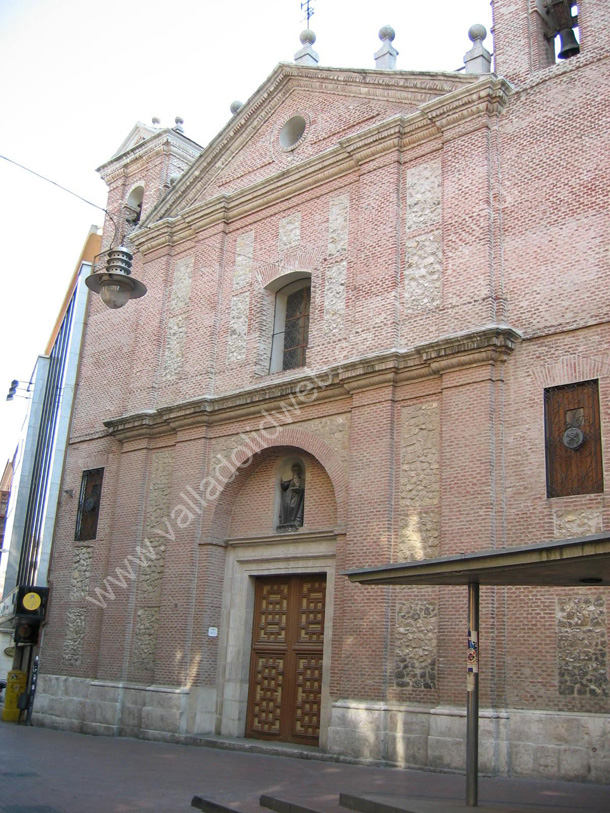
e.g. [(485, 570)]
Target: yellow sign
[(15, 685), (32, 601)]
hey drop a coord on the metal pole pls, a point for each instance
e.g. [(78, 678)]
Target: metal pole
[(472, 703)]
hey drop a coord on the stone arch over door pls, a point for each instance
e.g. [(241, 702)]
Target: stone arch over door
[(237, 470)]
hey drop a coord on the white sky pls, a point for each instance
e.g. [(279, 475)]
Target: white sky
[(78, 74)]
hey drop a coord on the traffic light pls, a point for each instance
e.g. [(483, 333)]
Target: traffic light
[(12, 390), (31, 603), (26, 632)]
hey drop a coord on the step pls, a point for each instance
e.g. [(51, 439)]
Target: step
[(284, 806), (211, 806), (390, 803)]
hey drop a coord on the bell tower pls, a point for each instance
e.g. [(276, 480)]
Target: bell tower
[(533, 35)]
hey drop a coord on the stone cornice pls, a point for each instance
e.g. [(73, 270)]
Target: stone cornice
[(301, 536), (487, 97), (473, 103), (487, 345)]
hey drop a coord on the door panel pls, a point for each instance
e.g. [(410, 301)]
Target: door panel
[(286, 660)]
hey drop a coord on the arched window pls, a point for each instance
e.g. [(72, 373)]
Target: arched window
[(291, 325)]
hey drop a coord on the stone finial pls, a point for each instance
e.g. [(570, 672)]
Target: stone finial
[(307, 55), (156, 121), (179, 122), (236, 107), (478, 59), (385, 58)]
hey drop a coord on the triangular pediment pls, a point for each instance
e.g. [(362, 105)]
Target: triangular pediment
[(333, 104), (139, 133)]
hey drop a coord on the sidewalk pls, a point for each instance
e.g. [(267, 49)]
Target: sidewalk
[(46, 771)]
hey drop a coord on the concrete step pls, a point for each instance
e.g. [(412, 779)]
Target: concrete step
[(267, 747), (211, 806), (284, 806), (389, 803)]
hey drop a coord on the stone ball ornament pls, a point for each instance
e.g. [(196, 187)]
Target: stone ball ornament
[(477, 32), (307, 37), (387, 33)]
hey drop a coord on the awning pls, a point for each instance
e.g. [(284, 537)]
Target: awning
[(580, 562)]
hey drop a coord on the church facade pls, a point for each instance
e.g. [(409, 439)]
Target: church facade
[(375, 330)]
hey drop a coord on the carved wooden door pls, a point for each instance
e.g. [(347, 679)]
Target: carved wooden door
[(286, 661)]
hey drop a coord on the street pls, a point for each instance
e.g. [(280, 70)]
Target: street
[(48, 771)]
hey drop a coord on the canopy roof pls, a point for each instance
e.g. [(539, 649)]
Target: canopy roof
[(583, 561)]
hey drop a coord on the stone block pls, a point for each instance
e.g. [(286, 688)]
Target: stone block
[(534, 760), (334, 298), (103, 712), (358, 743), (338, 217), (106, 694), (574, 763), (423, 272), (289, 231), (445, 752), (408, 723), (448, 725), (131, 717), (171, 701), (156, 719), (238, 327), (424, 195), (244, 252), (403, 749)]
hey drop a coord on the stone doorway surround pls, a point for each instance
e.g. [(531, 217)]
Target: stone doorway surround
[(247, 558)]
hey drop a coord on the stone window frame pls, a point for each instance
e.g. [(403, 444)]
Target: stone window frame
[(281, 288)]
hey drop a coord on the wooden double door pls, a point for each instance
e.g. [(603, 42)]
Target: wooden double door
[(286, 662)]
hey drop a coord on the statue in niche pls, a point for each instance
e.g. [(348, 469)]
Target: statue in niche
[(292, 500)]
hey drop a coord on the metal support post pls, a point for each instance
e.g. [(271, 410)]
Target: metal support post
[(472, 703)]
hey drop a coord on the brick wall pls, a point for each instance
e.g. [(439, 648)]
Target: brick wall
[(419, 440)]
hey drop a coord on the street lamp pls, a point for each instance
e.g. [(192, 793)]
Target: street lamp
[(115, 284)]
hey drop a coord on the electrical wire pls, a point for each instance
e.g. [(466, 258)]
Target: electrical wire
[(69, 191), (262, 261)]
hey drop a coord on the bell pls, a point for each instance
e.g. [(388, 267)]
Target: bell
[(569, 44)]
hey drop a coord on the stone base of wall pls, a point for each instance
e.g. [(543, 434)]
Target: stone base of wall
[(113, 709), (539, 744), (511, 743)]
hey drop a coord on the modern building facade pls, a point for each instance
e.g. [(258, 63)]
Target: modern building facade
[(376, 330), (41, 449)]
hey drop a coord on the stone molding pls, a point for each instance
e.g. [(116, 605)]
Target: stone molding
[(172, 221), (487, 345), (281, 539)]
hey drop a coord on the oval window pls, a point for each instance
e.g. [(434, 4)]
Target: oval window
[(292, 132)]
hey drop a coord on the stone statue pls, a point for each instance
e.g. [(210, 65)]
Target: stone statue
[(292, 500)]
